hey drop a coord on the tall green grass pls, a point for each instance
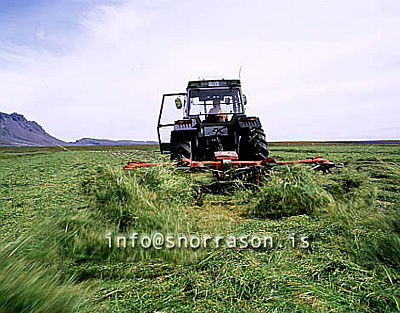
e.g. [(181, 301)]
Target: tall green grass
[(27, 286), (120, 202), (289, 191), (379, 242), (347, 196), (352, 264), (373, 235)]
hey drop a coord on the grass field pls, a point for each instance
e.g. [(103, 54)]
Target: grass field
[(56, 206)]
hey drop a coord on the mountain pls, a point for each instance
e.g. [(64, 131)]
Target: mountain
[(16, 130)]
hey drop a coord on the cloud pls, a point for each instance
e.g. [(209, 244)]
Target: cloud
[(318, 71), (40, 34)]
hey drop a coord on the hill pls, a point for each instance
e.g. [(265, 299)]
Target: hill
[(16, 130)]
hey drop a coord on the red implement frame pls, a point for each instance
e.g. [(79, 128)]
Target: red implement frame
[(232, 163)]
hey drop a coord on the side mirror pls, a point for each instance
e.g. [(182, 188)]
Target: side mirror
[(178, 103), (244, 99)]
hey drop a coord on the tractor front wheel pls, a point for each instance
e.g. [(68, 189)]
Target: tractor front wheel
[(180, 149), (183, 150)]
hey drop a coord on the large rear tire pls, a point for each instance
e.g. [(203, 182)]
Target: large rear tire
[(259, 144), (253, 147)]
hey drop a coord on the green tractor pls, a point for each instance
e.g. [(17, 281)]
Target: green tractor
[(208, 121)]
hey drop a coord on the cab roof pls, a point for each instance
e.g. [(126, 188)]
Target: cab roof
[(214, 83)]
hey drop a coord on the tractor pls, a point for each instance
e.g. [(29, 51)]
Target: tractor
[(208, 122)]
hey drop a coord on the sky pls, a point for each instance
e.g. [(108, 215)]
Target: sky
[(311, 69)]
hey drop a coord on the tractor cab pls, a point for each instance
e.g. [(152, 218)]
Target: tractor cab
[(210, 99), (208, 118)]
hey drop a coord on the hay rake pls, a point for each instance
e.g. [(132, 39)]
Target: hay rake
[(231, 173), (227, 162)]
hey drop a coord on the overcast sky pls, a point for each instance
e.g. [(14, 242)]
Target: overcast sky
[(311, 69)]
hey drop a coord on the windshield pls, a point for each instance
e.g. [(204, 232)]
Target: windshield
[(214, 101)]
